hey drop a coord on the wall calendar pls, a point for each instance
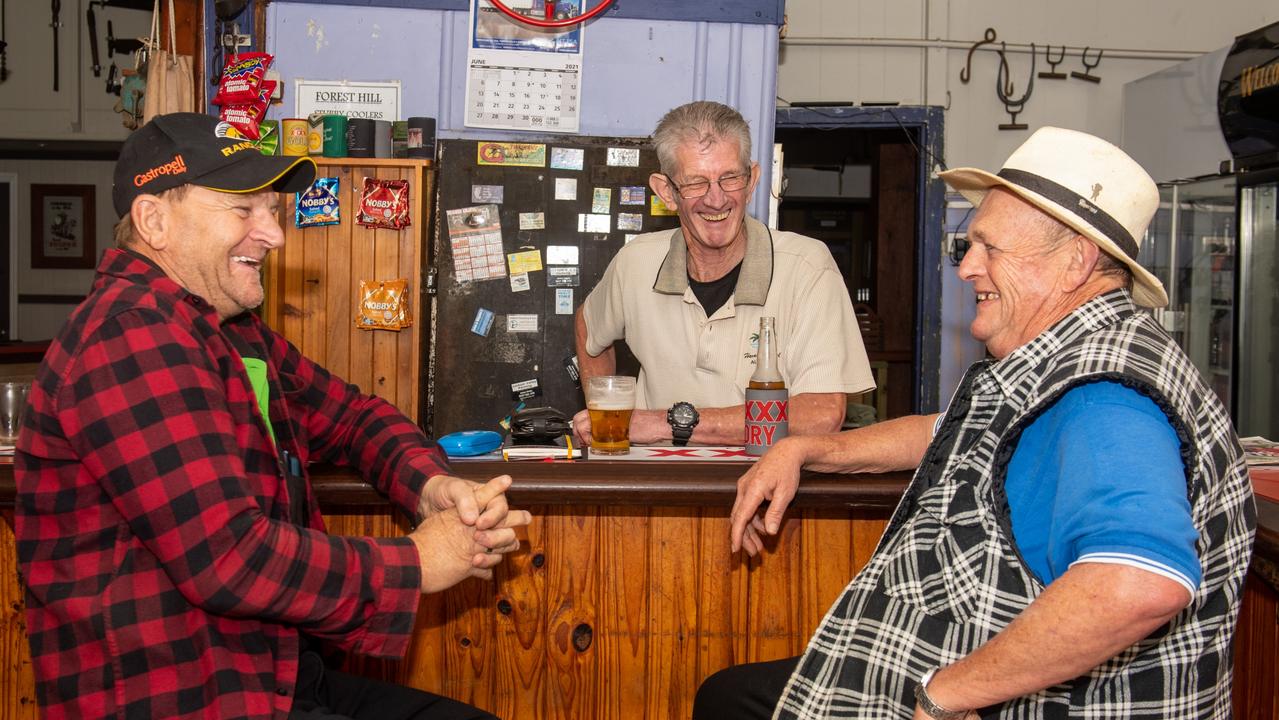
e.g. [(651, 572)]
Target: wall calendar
[(522, 77)]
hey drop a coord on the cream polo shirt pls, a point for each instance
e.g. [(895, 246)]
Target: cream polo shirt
[(645, 299)]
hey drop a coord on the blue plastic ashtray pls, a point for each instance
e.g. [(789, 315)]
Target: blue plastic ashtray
[(470, 442)]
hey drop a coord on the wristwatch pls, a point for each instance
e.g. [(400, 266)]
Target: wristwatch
[(683, 418), (931, 708)]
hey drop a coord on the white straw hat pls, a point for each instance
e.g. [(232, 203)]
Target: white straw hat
[(1086, 183)]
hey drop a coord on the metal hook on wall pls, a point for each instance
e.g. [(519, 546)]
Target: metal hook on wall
[(1053, 63), (1088, 67), (1013, 106), (967, 73)]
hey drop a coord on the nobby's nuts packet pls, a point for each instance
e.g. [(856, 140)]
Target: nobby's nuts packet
[(384, 305), (384, 204)]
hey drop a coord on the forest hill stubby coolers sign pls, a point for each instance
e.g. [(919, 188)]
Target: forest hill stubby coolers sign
[(372, 100), (1248, 98)]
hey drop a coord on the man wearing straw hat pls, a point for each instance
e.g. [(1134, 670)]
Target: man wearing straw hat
[(175, 558), (1076, 535)]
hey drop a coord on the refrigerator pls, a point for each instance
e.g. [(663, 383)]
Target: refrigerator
[(1191, 246), (1256, 401), (1212, 243)]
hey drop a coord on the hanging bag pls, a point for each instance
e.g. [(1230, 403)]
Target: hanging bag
[(170, 81)]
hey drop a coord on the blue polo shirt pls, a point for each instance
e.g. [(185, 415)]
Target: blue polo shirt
[(1099, 478)]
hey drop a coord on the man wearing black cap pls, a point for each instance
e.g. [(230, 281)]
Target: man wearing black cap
[(175, 558)]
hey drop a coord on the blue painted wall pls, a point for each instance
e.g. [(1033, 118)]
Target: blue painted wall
[(633, 70), (723, 11)]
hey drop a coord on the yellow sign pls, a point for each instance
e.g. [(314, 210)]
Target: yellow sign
[(512, 154), (657, 207), (524, 262)]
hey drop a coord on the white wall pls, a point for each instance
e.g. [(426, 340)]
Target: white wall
[(917, 76), (930, 76), (81, 109), (41, 322)]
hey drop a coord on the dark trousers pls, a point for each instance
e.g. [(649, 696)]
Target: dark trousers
[(325, 694), (743, 691)]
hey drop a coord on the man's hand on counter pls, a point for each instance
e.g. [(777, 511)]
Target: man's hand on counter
[(774, 477), (467, 530)]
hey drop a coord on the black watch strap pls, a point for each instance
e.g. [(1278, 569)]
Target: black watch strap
[(680, 436)]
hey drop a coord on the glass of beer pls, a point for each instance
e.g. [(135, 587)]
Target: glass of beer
[(610, 400)]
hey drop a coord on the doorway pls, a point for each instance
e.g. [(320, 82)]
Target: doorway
[(859, 179)]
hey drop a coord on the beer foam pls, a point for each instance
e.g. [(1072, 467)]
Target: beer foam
[(610, 404)]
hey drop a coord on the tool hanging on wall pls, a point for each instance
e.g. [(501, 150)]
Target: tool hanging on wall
[(56, 7), (967, 73), (1088, 67), (92, 21), (228, 33), (1048, 57), (4, 57), (1004, 89)]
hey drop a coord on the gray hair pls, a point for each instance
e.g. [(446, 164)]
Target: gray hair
[(1055, 232), (704, 122), (123, 232)]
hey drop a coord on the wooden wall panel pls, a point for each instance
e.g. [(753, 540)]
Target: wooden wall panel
[(624, 614), (654, 585), (17, 679), (1256, 691), (313, 283), (673, 613), (572, 616), (520, 664)]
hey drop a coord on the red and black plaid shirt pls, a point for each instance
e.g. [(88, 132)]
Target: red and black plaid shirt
[(166, 574)]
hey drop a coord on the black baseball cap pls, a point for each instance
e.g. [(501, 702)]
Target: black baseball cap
[(192, 148)]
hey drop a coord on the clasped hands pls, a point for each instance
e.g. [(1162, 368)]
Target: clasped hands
[(468, 528)]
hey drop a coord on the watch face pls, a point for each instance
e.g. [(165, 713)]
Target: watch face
[(683, 414)]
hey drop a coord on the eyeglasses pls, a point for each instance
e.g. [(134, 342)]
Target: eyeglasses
[(698, 188)]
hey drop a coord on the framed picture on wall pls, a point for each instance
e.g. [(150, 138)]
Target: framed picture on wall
[(62, 225)]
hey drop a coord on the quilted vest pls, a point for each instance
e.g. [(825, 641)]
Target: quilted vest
[(947, 575)]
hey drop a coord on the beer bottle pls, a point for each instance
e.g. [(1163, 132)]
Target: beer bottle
[(767, 400)]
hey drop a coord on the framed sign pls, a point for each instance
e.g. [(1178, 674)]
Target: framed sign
[(62, 225)]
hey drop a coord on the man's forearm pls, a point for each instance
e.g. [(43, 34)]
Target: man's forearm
[(588, 365), (1084, 618), (897, 444)]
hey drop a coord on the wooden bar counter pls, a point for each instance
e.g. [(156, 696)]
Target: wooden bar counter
[(624, 595)]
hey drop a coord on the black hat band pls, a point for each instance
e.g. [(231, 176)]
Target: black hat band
[(1070, 200)]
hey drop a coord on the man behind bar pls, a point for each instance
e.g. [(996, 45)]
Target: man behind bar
[(175, 558), (688, 301), (1075, 539)]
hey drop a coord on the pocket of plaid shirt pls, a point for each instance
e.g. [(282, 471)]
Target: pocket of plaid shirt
[(941, 568)]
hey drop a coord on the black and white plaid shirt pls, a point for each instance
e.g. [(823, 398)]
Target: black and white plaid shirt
[(947, 575)]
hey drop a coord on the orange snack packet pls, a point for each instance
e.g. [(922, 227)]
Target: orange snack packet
[(384, 305)]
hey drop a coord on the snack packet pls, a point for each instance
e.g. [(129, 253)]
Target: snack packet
[(318, 205), (242, 78), (384, 203), (383, 305), (246, 117)]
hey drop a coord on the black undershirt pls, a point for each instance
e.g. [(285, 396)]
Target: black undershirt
[(713, 294)]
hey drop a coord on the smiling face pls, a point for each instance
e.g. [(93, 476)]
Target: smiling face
[(215, 243), (715, 221), (1021, 271)]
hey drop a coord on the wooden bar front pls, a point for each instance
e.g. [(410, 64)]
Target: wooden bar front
[(624, 595)]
